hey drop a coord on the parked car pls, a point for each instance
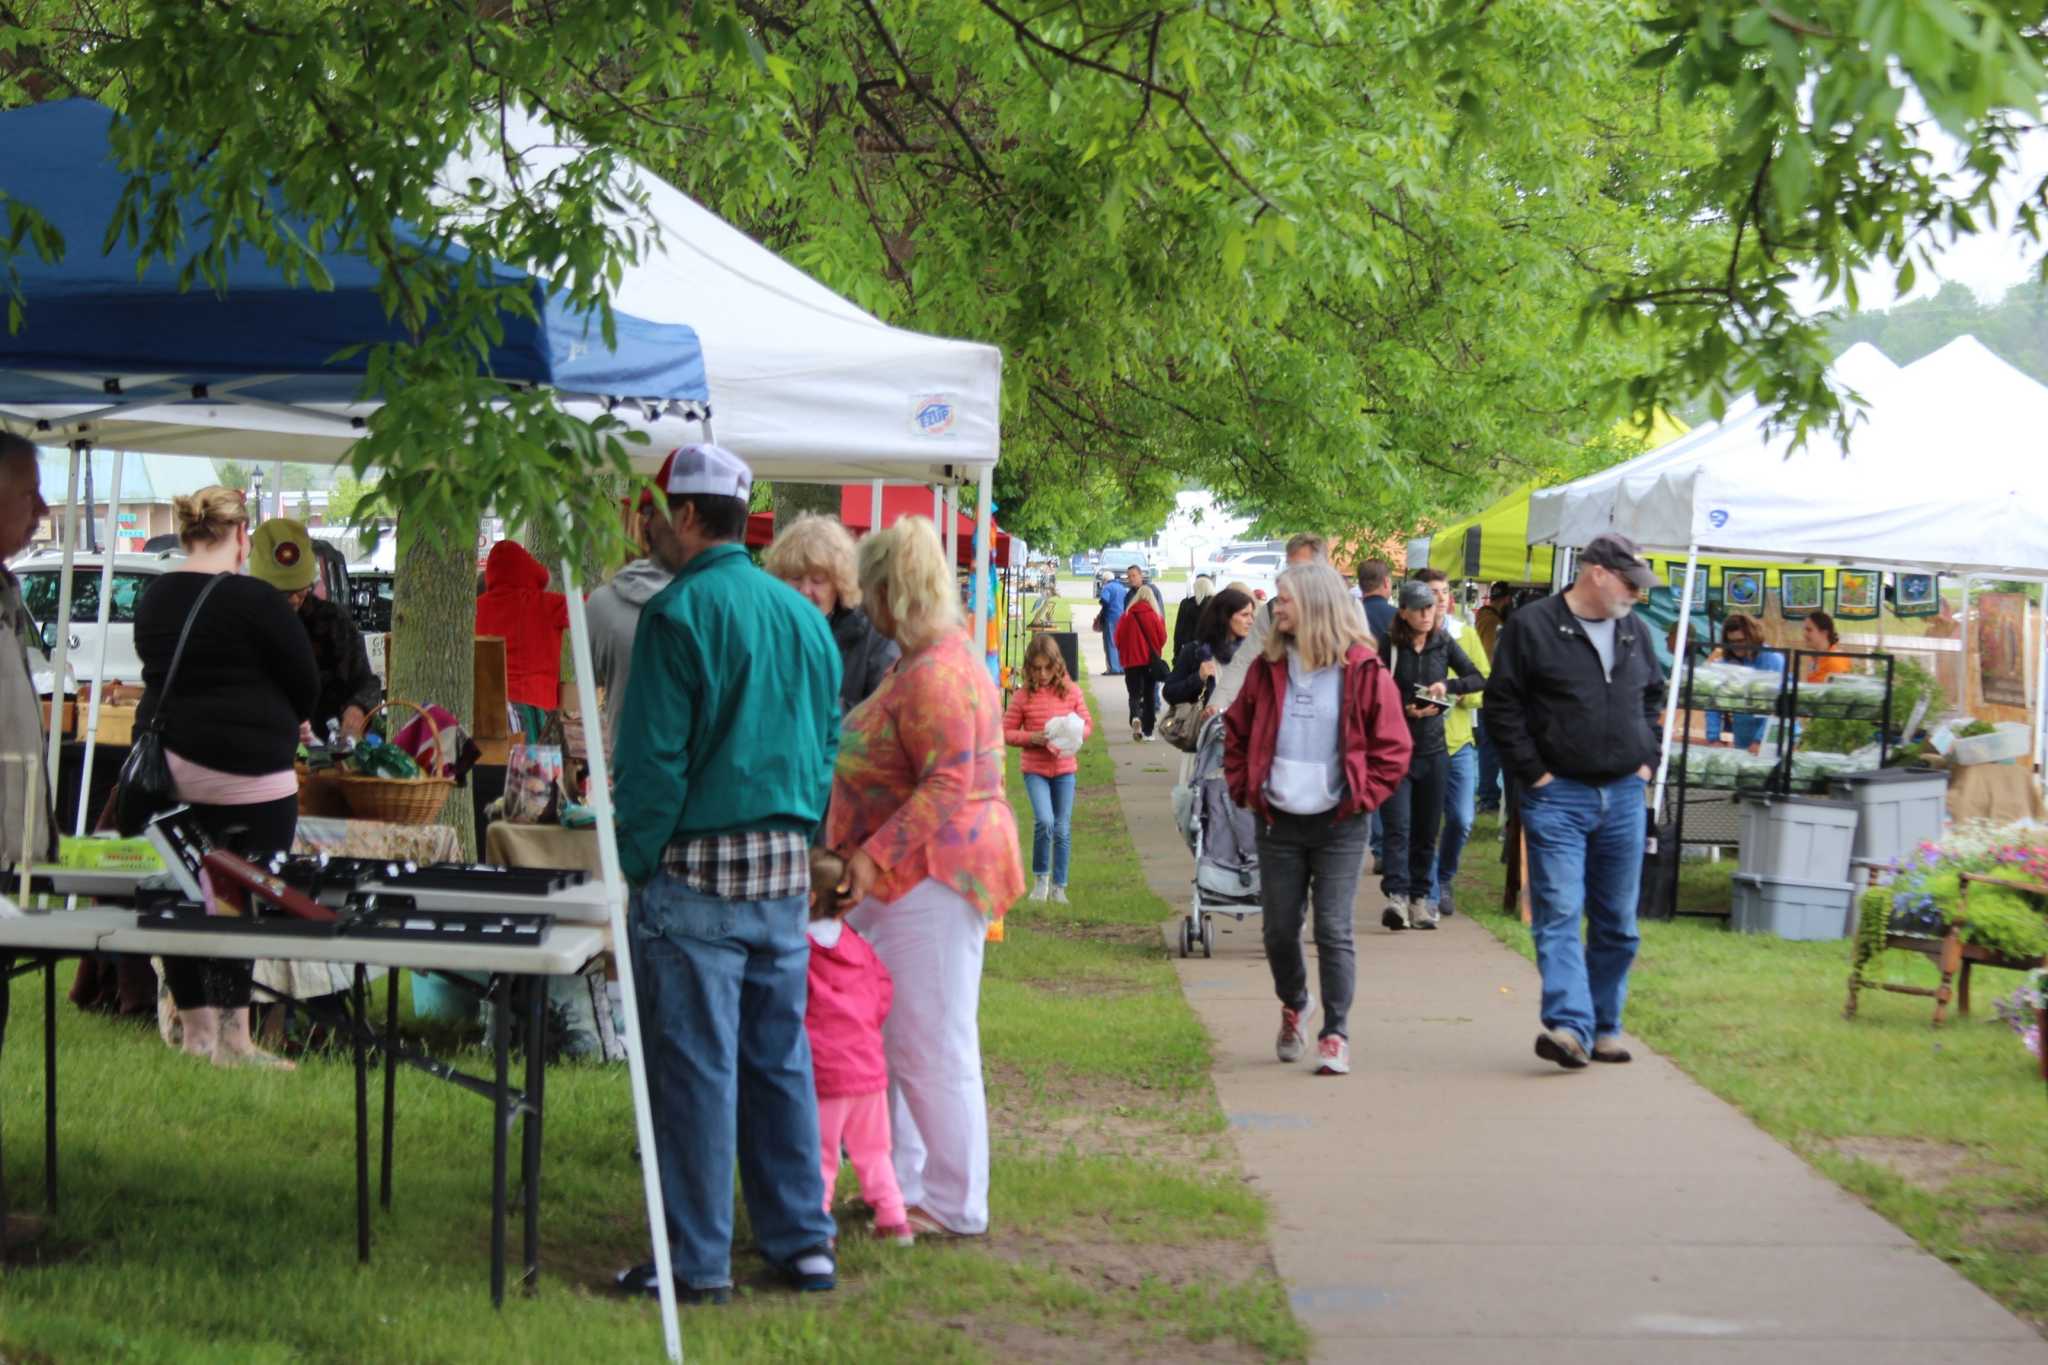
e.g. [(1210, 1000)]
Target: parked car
[(1123, 556), (40, 575), (1082, 563), (1223, 555), (369, 599), (1258, 570)]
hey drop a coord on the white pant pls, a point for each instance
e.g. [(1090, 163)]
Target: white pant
[(932, 941)]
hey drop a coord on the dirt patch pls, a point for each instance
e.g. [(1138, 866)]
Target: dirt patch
[(26, 1243), (1094, 1340), (2020, 1231), (1125, 1266), (1095, 987), (1932, 1166), (1093, 1116)]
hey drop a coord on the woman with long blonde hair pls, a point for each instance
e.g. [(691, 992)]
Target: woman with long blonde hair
[(1314, 742), (920, 815)]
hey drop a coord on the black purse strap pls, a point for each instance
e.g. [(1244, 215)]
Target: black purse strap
[(163, 704)]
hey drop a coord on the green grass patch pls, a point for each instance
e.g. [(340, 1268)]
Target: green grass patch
[(1940, 1130), (209, 1215)]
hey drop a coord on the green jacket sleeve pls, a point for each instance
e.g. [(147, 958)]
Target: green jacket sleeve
[(653, 745)]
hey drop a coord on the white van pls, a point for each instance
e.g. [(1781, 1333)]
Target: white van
[(133, 573)]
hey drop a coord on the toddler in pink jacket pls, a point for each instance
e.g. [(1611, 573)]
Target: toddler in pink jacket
[(849, 999)]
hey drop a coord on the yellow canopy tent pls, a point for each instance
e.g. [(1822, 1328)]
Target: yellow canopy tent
[(1503, 552)]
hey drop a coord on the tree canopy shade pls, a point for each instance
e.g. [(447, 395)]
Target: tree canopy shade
[(1341, 265)]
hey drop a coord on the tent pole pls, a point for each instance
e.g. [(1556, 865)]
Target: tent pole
[(939, 510), (983, 547), (60, 652), (594, 740), (1692, 567), (277, 486), (99, 673), (875, 505), (1963, 668), (952, 531)]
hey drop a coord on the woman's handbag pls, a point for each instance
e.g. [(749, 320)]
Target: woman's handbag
[(1182, 727), (145, 788)]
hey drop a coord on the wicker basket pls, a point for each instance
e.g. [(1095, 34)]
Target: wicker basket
[(400, 801)]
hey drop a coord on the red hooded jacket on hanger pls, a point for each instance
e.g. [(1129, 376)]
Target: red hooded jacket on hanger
[(517, 607)]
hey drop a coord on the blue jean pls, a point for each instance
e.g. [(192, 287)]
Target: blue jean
[(722, 986), (1490, 785), (1461, 794), (1052, 824), (1585, 861), (1111, 660)]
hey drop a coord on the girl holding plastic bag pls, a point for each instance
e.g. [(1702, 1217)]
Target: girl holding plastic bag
[(1048, 718)]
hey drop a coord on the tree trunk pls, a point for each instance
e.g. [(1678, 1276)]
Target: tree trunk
[(792, 500), (433, 622)]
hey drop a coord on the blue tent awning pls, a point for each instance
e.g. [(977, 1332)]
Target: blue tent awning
[(98, 328)]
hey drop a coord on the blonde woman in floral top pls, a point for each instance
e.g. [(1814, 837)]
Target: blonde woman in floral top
[(919, 812)]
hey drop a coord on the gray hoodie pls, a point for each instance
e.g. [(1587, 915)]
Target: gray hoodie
[(614, 612)]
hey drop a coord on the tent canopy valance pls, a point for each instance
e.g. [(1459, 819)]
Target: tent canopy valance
[(1947, 474), (103, 329)]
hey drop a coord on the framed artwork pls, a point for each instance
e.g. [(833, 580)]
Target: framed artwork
[(1916, 594), (1799, 591), (1675, 576), (1857, 595), (2001, 647), (1743, 590)]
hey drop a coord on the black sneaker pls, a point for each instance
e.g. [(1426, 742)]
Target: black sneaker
[(641, 1280), (814, 1280)]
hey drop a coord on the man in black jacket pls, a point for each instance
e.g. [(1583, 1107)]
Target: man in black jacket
[(1573, 707)]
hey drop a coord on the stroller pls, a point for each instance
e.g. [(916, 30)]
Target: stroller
[(1224, 840)]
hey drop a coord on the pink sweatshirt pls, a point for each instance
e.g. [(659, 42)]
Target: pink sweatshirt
[(1028, 713), (850, 992)]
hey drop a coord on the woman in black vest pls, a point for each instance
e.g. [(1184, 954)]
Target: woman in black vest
[(1421, 655)]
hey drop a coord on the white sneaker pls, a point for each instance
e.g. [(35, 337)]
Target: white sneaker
[(1395, 916), (1293, 1039), (1041, 888), (1422, 914), (1333, 1056), (1137, 732), (1059, 896)]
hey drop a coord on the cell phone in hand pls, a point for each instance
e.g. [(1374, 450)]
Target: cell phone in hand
[(1424, 697)]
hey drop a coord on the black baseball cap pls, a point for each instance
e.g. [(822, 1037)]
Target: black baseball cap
[(1417, 595), (1617, 552)]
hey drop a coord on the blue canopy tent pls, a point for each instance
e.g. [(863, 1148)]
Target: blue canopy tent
[(103, 325), (108, 334)]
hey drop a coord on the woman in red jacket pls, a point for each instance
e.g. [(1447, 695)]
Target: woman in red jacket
[(517, 608), (1314, 742), (1141, 644), (1048, 771)]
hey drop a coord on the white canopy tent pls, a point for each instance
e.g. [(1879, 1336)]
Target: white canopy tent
[(1946, 476), (804, 385), (1573, 513)]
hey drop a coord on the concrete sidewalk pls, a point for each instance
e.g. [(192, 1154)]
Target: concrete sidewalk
[(1457, 1200)]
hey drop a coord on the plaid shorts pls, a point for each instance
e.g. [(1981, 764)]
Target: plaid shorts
[(760, 865)]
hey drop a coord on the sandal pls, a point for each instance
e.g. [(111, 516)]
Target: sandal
[(924, 1225)]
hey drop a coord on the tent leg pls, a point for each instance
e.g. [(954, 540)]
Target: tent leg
[(92, 719), (1692, 567), (982, 594), (875, 505), (939, 510), (60, 653), (615, 901), (952, 531)]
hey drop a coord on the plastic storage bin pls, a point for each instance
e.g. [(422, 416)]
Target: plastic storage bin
[(1897, 810), (1795, 838), (2006, 742), (1791, 908)]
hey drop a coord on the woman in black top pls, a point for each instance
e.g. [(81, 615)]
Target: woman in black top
[(247, 681), (1225, 622), (1420, 654)]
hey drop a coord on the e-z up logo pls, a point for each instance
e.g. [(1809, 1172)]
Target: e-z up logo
[(933, 415), (1719, 517)]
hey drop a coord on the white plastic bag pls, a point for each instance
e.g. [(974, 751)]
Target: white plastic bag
[(1063, 734)]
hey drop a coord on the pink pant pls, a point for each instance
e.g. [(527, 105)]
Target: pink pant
[(861, 1122)]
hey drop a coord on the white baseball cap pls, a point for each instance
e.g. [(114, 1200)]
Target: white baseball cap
[(706, 469)]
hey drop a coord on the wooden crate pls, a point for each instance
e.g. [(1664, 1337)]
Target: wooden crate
[(69, 721), (117, 724)]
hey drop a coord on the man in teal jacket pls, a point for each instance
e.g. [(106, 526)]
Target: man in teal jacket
[(724, 764)]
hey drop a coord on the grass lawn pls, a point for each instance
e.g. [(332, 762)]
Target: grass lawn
[(1942, 1132), (208, 1215)]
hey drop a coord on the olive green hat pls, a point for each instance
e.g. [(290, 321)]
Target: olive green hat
[(281, 554)]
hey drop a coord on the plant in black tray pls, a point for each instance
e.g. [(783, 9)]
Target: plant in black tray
[(1839, 735)]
